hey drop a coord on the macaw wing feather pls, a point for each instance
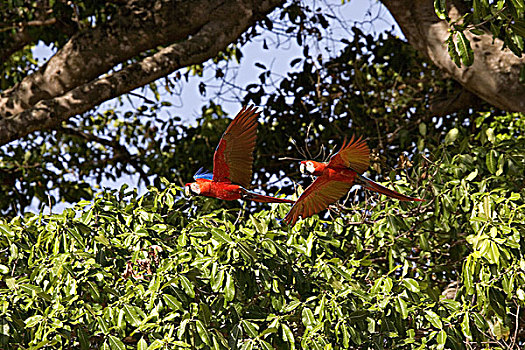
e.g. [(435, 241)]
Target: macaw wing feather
[(354, 154), (316, 198), (233, 157), (203, 174)]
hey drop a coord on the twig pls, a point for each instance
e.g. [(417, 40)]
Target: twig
[(120, 150)]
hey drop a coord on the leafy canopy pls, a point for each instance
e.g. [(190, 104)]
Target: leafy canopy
[(161, 271)]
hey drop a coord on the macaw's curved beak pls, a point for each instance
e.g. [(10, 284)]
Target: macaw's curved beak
[(187, 191), (302, 168)]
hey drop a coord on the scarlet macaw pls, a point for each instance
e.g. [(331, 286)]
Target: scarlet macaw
[(334, 180), (232, 163)]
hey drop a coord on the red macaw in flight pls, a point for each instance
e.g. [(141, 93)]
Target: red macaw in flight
[(334, 180), (232, 163)]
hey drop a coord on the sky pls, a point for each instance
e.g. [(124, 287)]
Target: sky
[(371, 16)]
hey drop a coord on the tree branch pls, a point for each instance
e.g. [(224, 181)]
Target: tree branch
[(138, 26), (122, 153), (494, 76), (22, 33), (215, 35), (446, 104)]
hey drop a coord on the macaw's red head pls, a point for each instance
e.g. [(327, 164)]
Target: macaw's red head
[(192, 188), (311, 167)]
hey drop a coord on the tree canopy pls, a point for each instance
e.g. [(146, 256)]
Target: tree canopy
[(442, 112)]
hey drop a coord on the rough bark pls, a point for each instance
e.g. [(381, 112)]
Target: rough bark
[(494, 76), (71, 82)]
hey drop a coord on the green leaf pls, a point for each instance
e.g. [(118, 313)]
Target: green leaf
[(33, 321), (308, 317), (465, 327), (5, 230), (440, 8), (501, 164), (451, 136), (248, 345), (387, 285), (411, 284), (249, 328), (203, 332), (187, 286), (131, 315), (491, 161), (490, 135), (472, 175), (441, 339), (500, 330), (465, 51), (265, 345), (103, 325), (518, 27), (423, 129), (142, 344), (292, 306), (401, 307), (345, 334), (492, 252), (221, 236), (217, 280), (182, 328), (115, 343), (229, 288), (514, 196), (433, 318), (288, 336), (172, 302), (452, 51)]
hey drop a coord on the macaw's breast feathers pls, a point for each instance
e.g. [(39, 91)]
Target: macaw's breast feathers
[(354, 154), (233, 157), (316, 198)]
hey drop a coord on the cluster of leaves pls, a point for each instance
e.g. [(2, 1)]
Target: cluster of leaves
[(159, 271), (505, 19)]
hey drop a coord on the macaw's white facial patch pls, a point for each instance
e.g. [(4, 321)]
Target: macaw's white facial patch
[(310, 167), (195, 188)]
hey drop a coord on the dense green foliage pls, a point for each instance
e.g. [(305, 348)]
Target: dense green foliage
[(118, 270), (380, 274)]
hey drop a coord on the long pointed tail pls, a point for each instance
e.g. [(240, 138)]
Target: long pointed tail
[(374, 186), (264, 199)]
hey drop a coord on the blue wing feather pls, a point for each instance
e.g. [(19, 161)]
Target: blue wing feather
[(203, 174)]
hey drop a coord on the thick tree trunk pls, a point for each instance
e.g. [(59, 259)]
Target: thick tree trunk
[(73, 80), (494, 76)]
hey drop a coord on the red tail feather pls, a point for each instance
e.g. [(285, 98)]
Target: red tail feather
[(264, 199), (374, 186)]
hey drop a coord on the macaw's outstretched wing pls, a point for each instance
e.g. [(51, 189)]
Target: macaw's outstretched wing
[(233, 157), (354, 154), (317, 197), (374, 186)]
